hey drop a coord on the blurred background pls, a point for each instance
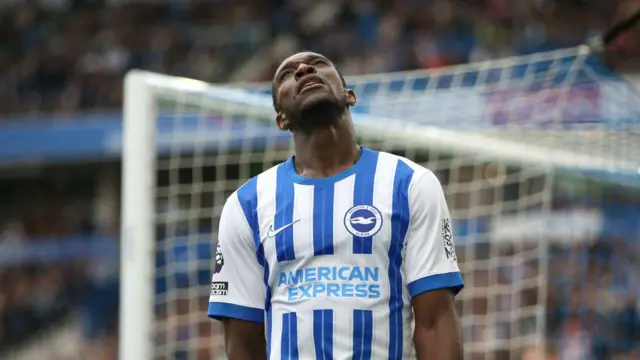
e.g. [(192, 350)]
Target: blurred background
[(61, 87)]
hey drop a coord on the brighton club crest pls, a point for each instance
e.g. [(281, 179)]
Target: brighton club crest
[(219, 260), (363, 220)]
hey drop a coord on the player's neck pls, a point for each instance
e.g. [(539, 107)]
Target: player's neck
[(326, 151)]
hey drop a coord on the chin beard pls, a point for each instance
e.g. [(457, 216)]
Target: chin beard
[(320, 113)]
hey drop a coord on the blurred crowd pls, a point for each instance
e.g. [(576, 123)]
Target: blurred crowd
[(65, 56), (593, 303), (62, 57), (58, 254)]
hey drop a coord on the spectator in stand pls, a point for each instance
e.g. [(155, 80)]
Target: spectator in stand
[(62, 60)]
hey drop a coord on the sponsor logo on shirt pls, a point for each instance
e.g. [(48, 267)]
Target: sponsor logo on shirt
[(219, 288), (273, 232), (447, 239), (331, 282)]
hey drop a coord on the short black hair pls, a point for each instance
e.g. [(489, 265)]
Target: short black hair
[(273, 89)]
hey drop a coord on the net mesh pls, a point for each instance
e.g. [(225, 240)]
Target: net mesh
[(498, 135)]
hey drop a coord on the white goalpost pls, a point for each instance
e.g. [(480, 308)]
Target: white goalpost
[(498, 134)]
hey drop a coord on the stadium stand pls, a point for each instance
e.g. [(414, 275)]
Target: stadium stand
[(63, 59)]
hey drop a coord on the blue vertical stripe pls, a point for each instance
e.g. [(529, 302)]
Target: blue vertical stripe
[(323, 219), (362, 334), (267, 300), (289, 341), (323, 334), (248, 197), (363, 195), (399, 227), (284, 216)]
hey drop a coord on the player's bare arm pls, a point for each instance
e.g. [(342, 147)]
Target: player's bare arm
[(434, 277), (437, 334), (244, 340)]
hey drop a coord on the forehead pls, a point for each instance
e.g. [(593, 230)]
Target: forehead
[(301, 57)]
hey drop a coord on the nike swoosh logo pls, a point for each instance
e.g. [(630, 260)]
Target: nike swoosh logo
[(272, 233)]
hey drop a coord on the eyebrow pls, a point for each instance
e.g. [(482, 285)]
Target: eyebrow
[(292, 64)]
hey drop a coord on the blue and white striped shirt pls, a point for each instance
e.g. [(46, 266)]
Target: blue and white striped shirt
[(330, 264)]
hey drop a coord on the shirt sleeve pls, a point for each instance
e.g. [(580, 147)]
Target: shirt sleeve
[(237, 286), (431, 261)]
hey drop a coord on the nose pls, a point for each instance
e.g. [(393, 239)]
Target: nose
[(304, 69)]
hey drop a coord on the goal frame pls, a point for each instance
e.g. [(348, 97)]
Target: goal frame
[(137, 218)]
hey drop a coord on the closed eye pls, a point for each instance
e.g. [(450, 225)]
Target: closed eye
[(320, 61), (284, 74)]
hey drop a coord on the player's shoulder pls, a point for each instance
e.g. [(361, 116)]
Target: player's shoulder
[(422, 181), (248, 192), (243, 202), (392, 161)]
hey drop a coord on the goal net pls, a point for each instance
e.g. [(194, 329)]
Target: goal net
[(497, 134)]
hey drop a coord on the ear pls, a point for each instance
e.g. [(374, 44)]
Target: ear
[(281, 121), (351, 97)]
